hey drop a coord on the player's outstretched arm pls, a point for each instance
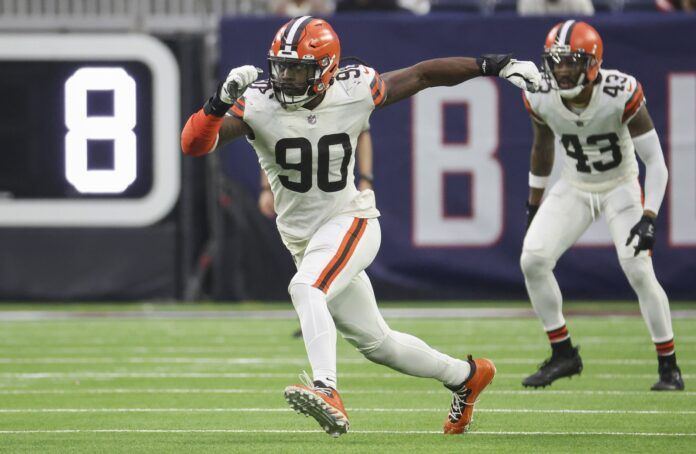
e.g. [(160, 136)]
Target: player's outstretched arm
[(208, 128), (405, 82), (540, 166)]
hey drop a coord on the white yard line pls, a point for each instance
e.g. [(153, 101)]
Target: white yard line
[(376, 391), (394, 432), (260, 375), (365, 410), (282, 360)]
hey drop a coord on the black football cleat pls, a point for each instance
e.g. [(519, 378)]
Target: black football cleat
[(554, 368), (670, 379)]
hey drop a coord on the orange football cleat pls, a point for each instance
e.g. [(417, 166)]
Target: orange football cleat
[(464, 398), (321, 402)]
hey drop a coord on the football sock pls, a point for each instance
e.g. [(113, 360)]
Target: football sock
[(318, 331), (563, 348), (652, 298), (667, 361)]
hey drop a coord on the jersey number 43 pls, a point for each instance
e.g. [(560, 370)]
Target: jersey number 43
[(605, 143)]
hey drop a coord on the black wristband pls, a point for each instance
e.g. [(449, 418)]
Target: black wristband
[(215, 106), (367, 177), (491, 64)]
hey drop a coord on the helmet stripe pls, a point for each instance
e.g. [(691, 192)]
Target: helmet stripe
[(294, 32), (563, 37), (287, 30)]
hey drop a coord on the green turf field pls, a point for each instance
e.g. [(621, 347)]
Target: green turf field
[(195, 385)]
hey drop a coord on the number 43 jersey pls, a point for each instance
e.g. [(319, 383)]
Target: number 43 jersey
[(597, 146), (309, 155)]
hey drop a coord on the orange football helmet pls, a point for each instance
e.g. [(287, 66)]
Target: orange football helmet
[(303, 60), (578, 47)]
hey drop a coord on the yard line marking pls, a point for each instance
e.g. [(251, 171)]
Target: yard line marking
[(236, 315), (281, 360), (165, 360), (376, 391), (366, 410), (103, 375), (395, 432)]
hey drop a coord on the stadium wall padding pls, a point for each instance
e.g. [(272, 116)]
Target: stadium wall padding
[(451, 164)]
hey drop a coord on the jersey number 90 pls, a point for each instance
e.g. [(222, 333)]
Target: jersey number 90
[(304, 166)]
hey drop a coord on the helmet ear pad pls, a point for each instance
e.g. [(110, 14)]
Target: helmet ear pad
[(593, 69)]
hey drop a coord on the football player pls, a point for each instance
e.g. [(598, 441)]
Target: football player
[(303, 122), (363, 152), (599, 118)]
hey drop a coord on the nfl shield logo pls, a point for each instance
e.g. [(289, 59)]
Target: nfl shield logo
[(312, 119)]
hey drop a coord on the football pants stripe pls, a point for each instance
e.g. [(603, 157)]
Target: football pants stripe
[(344, 253)]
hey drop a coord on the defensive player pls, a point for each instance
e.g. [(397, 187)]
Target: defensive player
[(304, 123), (363, 152), (600, 119)]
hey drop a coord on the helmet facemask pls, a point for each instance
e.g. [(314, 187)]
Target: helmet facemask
[(294, 81), (567, 71)]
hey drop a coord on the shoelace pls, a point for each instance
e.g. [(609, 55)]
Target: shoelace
[(307, 381), (458, 403)]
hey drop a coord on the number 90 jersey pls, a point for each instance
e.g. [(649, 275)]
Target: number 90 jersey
[(309, 155), (596, 143)]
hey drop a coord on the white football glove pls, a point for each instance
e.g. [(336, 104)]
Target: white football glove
[(237, 81), (523, 74)]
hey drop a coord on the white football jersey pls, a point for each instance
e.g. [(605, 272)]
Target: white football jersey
[(309, 155), (596, 144)]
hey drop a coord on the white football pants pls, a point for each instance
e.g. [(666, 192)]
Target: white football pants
[(331, 290), (563, 217)]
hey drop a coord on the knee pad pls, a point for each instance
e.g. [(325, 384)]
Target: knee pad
[(378, 351), (638, 270), (297, 282), (535, 265), (365, 342)]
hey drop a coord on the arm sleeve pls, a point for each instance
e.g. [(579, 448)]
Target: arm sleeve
[(200, 135), (650, 152)]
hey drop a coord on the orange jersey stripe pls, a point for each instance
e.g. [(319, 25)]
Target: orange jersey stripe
[(378, 90), (344, 253), (238, 108), (633, 104), (237, 112), (379, 96), (530, 110)]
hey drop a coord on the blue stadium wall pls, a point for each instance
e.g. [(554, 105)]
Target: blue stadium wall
[(451, 164)]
